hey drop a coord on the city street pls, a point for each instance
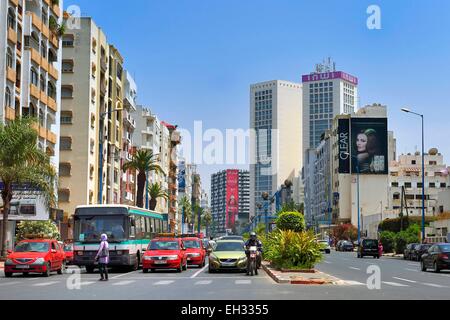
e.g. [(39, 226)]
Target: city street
[(400, 280)]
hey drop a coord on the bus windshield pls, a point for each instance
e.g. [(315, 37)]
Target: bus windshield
[(90, 228)]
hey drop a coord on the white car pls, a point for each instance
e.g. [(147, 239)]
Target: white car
[(325, 246)]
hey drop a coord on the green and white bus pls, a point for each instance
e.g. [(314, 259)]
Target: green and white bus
[(129, 231)]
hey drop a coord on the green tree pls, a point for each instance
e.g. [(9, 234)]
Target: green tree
[(291, 206), (155, 191), (28, 229), (387, 239), (144, 161), (207, 220), (186, 205), (291, 221), (22, 162)]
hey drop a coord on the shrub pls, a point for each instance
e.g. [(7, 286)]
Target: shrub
[(293, 221), (387, 239), (394, 225), (402, 239), (289, 249), (45, 229)]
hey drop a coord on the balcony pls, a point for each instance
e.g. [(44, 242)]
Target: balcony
[(53, 72), (103, 65), (35, 92), (12, 35), (11, 75), (35, 56), (54, 40), (10, 113), (129, 120), (56, 10), (44, 98), (44, 64), (15, 2), (103, 88), (52, 104), (50, 136), (37, 23)]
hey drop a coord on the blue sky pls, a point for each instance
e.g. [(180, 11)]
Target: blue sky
[(195, 59)]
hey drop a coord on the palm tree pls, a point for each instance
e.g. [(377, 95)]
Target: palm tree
[(144, 162), (198, 211), (185, 205), (206, 220), (155, 191), (23, 163)]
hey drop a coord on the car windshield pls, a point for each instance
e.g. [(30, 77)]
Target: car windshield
[(164, 245), (90, 228), (32, 247), (445, 248), (370, 243), (192, 244), (229, 246), (68, 247)]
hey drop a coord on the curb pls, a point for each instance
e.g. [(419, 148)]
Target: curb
[(276, 276)]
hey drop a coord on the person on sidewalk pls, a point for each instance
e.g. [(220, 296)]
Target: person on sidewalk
[(103, 257), (380, 249)]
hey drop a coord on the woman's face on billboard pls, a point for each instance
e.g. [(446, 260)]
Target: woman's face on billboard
[(361, 142)]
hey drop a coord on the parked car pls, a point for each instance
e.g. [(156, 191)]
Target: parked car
[(324, 246), (419, 250), (35, 256), (165, 253), (368, 247), (347, 246), (195, 251), (437, 257), (407, 253), (228, 255)]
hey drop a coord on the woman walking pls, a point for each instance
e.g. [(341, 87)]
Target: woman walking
[(103, 257)]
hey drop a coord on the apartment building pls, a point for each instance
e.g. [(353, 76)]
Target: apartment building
[(97, 96), (30, 81)]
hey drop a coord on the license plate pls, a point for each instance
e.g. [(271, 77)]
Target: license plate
[(23, 267), (253, 256), (160, 262), (225, 264), (189, 259)]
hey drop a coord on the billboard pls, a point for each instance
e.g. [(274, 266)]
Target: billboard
[(369, 145), (182, 176), (330, 76), (344, 145), (232, 198)]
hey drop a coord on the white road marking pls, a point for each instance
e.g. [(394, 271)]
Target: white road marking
[(401, 279), (44, 284), (354, 268), (351, 283), (122, 275), (203, 282), (395, 284), (86, 283), (243, 282), (199, 271), (411, 270), (433, 285), (327, 262), (163, 283), (124, 283)]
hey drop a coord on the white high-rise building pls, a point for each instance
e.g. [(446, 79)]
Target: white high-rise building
[(326, 94), (276, 151)]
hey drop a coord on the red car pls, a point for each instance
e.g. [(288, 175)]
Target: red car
[(35, 256), (68, 250), (195, 251), (165, 253)]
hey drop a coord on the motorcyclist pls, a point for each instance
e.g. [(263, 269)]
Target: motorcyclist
[(253, 242)]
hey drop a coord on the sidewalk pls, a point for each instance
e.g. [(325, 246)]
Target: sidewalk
[(393, 255), (305, 278)]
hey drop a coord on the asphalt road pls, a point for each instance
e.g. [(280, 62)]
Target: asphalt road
[(399, 280)]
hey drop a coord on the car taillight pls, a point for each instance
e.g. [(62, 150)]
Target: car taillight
[(443, 256)]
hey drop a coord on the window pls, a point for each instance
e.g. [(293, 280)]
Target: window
[(11, 18), (64, 195), (443, 185), (407, 184), (8, 97), (432, 185), (67, 66), (65, 143), (92, 146), (67, 92), (394, 184), (419, 185), (66, 117), (68, 40), (91, 172), (65, 169), (43, 50), (51, 91), (34, 77), (413, 162), (9, 58), (93, 95)]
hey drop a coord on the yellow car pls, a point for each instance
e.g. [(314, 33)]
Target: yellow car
[(228, 255)]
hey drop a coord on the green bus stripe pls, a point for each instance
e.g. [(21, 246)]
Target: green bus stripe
[(147, 214), (127, 242)]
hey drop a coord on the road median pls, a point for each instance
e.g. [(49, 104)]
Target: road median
[(302, 277)]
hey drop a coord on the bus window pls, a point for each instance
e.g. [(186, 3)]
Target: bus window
[(132, 230), (139, 227)]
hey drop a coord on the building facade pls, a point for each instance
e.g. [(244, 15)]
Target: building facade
[(96, 126), (276, 151), (225, 187), (405, 183), (30, 82)]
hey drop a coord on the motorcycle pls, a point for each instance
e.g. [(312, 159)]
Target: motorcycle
[(252, 264)]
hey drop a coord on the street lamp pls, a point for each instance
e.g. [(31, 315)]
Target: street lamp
[(423, 169), (102, 119), (357, 192)]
